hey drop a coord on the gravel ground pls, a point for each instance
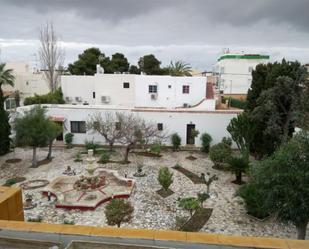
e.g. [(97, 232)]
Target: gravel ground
[(151, 211)]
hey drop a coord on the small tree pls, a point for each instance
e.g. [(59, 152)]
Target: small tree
[(227, 140), (53, 131), (32, 130), (165, 178), (220, 154), (238, 165), (240, 129), (156, 148), (176, 141), (206, 140), (107, 126), (190, 204), (68, 138), (136, 130), (118, 211), (208, 179), (202, 197)]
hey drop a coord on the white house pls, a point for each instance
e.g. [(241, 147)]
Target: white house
[(234, 72), (73, 119), (139, 91)]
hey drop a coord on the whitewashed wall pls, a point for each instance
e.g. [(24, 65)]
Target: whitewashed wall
[(214, 123), (169, 97)]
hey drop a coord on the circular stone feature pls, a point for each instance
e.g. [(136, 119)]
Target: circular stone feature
[(33, 184), (90, 183)]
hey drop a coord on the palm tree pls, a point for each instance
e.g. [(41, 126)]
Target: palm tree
[(180, 68), (6, 78)]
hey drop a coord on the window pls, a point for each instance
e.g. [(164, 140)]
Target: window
[(93, 95), (118, 126), (250, 69), (153, 89), (222, 70), (160, 126), (186, 89), (10, 103), (126, 85), (78, 126)]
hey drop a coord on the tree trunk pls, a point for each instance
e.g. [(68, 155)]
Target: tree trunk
[(118, 224), (301, 230), (49, 155), (238, 176), (208, 188), (126, 155), (34, 160), (111, 144)]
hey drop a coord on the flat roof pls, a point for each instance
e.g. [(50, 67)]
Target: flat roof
[(133, 109)]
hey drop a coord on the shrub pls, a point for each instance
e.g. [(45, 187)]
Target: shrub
[(189, 204), (220, 153), (227, 140), (165, 178), (206, 140), (238, 165), (91, 145), (68, 138), (78, 157), (176, 141), (104, 157), (50, 98), (156, 148), (237, 103), (10, 182), (253, 198), (202, 197), (118, 211)]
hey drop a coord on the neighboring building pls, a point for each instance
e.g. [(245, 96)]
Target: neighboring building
[(27, 83), (234, 72)]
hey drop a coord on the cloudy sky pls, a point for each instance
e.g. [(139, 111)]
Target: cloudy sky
[(195, 31)]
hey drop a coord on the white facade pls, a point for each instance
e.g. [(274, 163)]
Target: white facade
[(26, 82), (100, 89), (173, 121), (170, 91), (235, 71), (140, 91)]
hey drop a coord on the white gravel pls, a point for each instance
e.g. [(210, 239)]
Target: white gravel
[(151, 211)]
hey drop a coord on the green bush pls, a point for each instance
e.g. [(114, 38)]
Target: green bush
[(227, 140), (156, 148), (104, 157), (176, 141), (68, 138), (189, 204), (220, 153), (237, 103), (50, 98), (10, 182), (78, 157), (253, 198), (91, 145), (118, 211), (206, 140), (165, 178)]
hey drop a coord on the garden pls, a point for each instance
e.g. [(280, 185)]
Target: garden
[(179, 209)]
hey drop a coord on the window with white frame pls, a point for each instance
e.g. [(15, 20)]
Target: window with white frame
[(186, 89), (152, 88), (250, 69)]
